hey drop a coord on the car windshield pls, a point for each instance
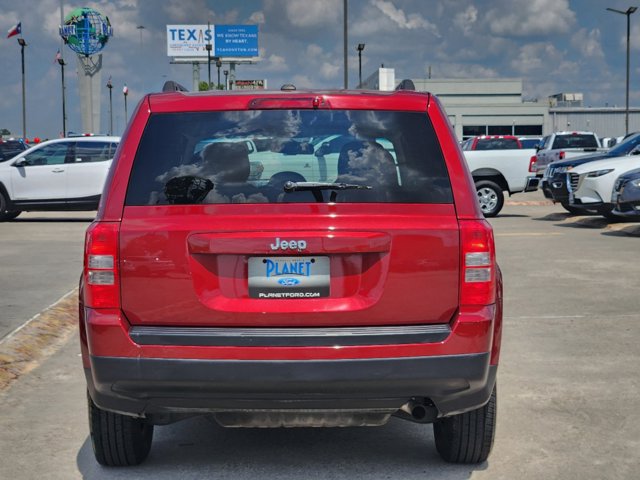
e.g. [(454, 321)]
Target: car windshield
[(249, 156), (10, 148), (625, 147)]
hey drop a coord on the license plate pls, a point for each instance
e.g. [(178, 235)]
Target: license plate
[(288, 277)]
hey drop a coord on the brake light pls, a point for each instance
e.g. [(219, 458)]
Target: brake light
[(561, 155), (101, 272), (532, 164), (478, 263)]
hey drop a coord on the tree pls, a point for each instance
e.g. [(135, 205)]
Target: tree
[(4, 131)]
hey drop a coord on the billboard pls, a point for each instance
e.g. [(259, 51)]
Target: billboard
[(225, 40), (250, 84)]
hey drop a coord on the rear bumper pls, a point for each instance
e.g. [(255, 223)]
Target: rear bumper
[(148, 387), (166, 372), (532, 184)]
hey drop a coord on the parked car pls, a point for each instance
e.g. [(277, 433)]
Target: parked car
[(10, 148), (591, 185), (292, 300), (492, 142), (553, 183), (565, 145), (60, 174), (626, 195)]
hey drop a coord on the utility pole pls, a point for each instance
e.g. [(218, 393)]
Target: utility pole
[(110, 87)]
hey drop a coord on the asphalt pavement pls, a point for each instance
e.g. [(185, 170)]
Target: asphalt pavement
[(568, 388)]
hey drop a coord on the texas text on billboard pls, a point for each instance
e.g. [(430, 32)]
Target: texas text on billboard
[(225, 40)]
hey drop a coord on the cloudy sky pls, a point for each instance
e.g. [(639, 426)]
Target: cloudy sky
[(553, 45)]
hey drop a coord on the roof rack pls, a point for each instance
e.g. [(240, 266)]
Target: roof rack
[(171, 86), (406, 84)]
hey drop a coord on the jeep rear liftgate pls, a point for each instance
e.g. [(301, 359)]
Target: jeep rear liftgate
[(399, 266)]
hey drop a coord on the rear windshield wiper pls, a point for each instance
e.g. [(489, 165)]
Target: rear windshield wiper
[(317, 187)]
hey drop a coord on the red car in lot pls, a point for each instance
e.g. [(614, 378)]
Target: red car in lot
[(344, 290)]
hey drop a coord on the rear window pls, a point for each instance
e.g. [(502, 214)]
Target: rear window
[(575, 141), (10, 148), (497, 144), (275, 156)]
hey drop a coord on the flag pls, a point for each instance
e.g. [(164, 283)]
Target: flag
[(15, 30), (58, 57), (125, 90)]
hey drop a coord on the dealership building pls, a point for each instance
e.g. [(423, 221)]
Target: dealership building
[(496, 106)]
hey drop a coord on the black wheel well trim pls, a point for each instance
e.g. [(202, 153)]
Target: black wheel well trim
[(492, 175)]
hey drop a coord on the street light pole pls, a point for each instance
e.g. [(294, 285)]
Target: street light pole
[(360, 48), (346, 63), (209, 47), (218, 64), (226, 74), (628, 13), (23, 44), (110, 87), (125, 92), (64, 107)]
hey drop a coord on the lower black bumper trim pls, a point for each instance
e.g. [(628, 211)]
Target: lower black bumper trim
[(142, 386)]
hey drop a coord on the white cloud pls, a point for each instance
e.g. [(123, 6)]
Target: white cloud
[(302, 13), (408, 22), (329, 71), (257, 17), (466, 20), (588, 43), (461, 70), (522, 18)]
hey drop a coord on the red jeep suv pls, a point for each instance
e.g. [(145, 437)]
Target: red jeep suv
[(241, 269)]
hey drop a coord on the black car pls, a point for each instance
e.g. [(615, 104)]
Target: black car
[(554, 184), (10, 148), (626, 194)]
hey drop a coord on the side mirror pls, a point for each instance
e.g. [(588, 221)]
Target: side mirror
[(20, 162), (322, 150)]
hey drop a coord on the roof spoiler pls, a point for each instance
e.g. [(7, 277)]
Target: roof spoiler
[(406, 84), (171, 86)]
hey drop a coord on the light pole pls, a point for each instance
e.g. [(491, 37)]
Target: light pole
[(218, 64), (125, 92), (140, 27), (110, 87), (64, 106), (209, 47), (226, 74), (628, 13), (23, 44), (344, 26), (360, 48)]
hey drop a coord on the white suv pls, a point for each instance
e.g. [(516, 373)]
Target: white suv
[(60, 174), (591, 185)]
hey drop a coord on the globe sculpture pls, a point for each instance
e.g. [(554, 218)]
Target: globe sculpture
[(86, 31)]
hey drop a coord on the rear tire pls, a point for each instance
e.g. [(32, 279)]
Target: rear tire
[(118, 440), (4, 213), (10, 215), (490, 197), (467, 437)]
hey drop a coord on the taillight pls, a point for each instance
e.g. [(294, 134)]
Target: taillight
[(532, 164), (561, 155), (478, 263), (101, 273)]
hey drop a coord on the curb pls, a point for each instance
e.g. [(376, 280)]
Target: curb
[(40, 337)]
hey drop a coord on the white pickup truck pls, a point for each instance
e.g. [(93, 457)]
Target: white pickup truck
[(497, 171), (564, 145)]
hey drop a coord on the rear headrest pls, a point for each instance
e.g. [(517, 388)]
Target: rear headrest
[(366, 162), (228, 162)]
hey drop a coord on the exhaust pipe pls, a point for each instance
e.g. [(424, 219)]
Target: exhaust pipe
[(419, 412)]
